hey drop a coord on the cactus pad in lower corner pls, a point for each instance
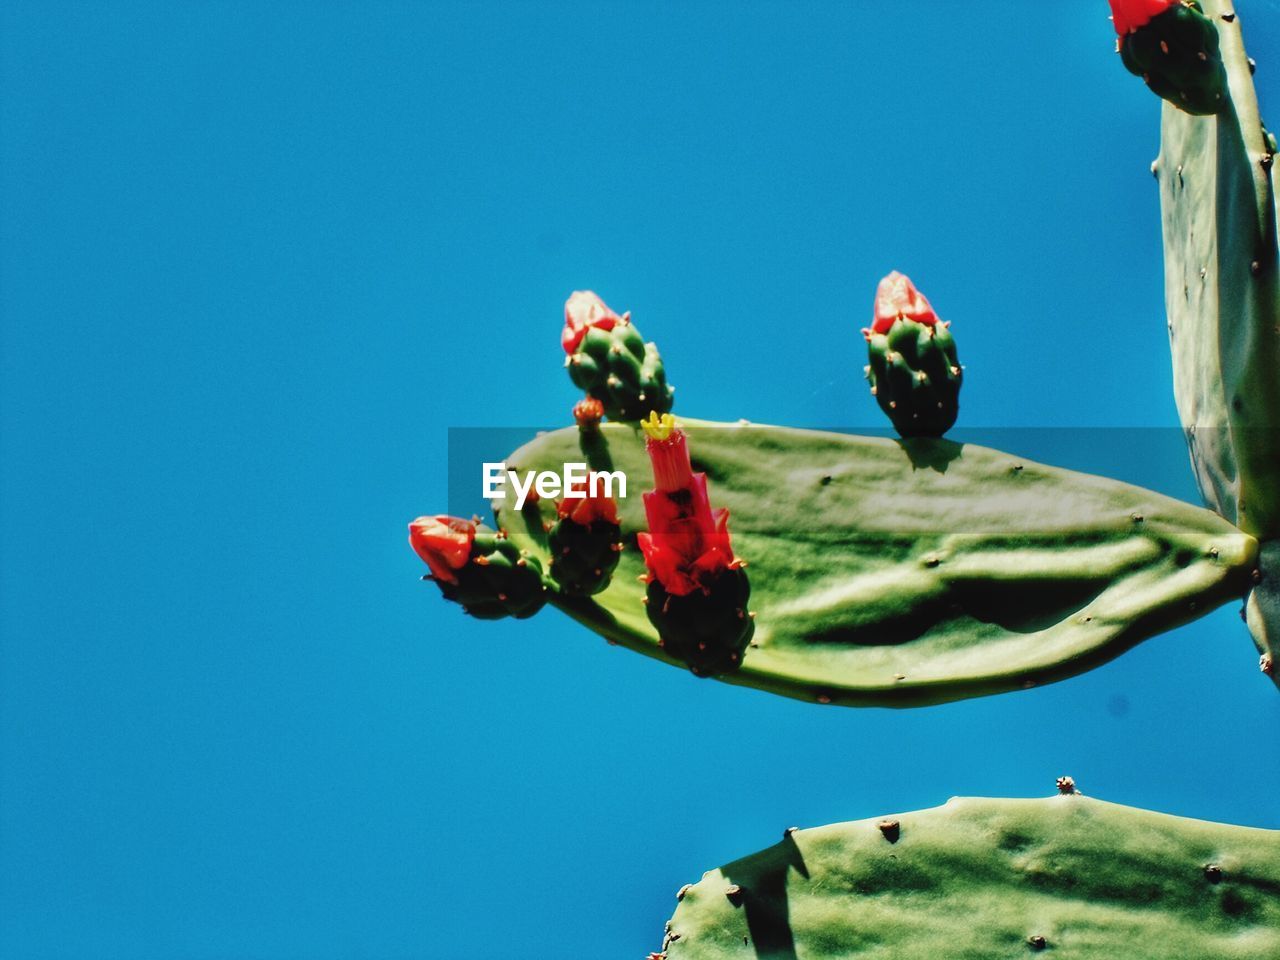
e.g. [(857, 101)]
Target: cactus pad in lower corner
[(1078, 878), (905, 572)]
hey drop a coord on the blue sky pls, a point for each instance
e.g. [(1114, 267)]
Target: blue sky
[(256, 260)]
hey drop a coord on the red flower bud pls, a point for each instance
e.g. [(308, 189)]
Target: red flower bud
[(588, 412), (898, 299), (582, 311), (587, 509), (1129, 15), (688, 543), (444, 544)]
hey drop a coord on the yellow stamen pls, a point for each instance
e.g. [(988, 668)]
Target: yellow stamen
[(659, 427)]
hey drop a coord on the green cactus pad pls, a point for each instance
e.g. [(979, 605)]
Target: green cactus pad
[(583, 555), (916, 377), (498, 580), (906, 572), (1221, 292), (1177, 54), (623, 372), (1069, 876)]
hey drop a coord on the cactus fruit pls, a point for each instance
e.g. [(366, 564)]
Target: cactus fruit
[(900, 573), (1174, 47), (479, 568), (584, 541), (912, 365), (697, 589), (607, 357), (1069, 875)]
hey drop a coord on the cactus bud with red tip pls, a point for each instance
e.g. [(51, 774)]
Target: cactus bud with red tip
[(478, 567), (607, 357), (586, 539), (912, 365)]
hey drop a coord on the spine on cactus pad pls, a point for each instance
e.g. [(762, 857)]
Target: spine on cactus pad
[(609, 360), (585, 540), (1172, 46), (479, 568), (697, 589), (912, 365)]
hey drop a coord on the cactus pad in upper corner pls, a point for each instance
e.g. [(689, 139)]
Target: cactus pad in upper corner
[(1077, 878)]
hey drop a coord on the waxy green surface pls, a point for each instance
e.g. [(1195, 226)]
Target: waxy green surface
[(1221, 293), (1067, 877), (906, 572)]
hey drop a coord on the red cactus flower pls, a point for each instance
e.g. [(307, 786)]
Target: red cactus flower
[(1129, 15), (587, 509), (898, 299), (687, 545), (444, 544), (588, 412), (582, 311)]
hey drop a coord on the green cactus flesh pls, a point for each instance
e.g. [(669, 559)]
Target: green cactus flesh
[(1177, 54), (975, 879), (1262, 612), (915, 376), (498, 580), (1221, 293), (623, 372), (905, 572), (583, 555)]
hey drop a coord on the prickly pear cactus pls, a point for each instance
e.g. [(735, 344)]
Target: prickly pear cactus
[(1223, 300), (1221, 294), (912, 365), (585, 541), (607, 358), (1173, 46), (1077, 878), (698, 589), (908, 572), (479, 568)]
